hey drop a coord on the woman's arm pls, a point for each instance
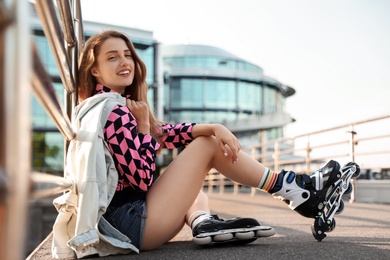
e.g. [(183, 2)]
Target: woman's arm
[(176, 136)]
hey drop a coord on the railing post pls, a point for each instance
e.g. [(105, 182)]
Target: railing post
[(276, 157), (308, 159), (3, 200), (263, 144), (253, 192), (352, 144), (5, 21), (253, 152), (221, 183), (17, 127)]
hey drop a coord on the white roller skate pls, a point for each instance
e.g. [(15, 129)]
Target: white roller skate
[(319, 195), (215, 230)]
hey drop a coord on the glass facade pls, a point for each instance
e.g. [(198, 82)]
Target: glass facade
[(48, 142), (221, 88), (219, 100)]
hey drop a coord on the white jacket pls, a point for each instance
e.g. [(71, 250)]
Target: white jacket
[(79, 229)]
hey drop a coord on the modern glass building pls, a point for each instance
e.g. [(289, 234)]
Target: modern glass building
[(206, 84)]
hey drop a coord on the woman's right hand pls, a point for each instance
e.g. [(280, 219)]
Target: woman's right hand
[(140, 110)]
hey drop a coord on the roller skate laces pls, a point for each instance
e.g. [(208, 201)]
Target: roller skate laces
[(215, 230)]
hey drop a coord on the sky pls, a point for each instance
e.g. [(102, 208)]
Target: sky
[(334, 53)]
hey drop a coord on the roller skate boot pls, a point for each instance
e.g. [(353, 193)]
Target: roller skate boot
[(216, 231), (318, 195)]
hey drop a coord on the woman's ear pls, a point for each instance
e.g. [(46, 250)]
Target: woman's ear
[(94, 71)]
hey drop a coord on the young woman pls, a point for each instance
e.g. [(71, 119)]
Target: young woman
[(151, 212)]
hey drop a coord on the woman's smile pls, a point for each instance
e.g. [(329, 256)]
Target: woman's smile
[(125, 72)]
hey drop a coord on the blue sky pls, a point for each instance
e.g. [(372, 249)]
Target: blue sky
[(335, 53)]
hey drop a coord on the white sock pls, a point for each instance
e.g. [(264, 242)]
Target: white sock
[(200, 216)]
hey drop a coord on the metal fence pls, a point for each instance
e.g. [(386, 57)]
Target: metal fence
[(22, 71), (366, 142)]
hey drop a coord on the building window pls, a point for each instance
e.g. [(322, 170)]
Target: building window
[(39, 115), (220, 94), (249, 97), (147, 56), (186, 93), (45, 54), (219, 116), (274, 133), (47, 150), (270, 97)]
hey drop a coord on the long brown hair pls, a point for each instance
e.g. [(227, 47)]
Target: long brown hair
[(138, 88)]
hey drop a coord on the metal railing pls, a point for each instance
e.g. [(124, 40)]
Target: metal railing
[(21, 67), (15, 141), (66, 57), (361, 142)]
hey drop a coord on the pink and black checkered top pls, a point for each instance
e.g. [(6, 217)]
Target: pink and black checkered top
[(134, 153)]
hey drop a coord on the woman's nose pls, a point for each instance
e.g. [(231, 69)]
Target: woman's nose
[(124, 60)]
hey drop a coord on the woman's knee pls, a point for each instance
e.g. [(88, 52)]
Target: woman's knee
[(205, 141)]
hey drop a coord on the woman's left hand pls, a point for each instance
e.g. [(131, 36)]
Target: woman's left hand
[(227, 141)]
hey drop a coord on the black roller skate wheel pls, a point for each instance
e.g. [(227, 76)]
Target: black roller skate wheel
[(341, 207), (349, 190), (332, 226), (357, 172), (317, 229)]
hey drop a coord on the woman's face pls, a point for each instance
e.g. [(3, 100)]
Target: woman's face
[(115, 65)]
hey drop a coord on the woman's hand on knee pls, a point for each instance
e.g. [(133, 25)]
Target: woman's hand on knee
[(228, 142)]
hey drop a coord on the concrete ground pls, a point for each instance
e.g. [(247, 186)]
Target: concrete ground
[(362, 232)]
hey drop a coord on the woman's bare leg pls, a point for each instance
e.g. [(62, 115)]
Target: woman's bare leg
[(200, 206), (172, 196)]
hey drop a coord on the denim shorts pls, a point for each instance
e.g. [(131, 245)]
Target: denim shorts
[(129, 219)]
